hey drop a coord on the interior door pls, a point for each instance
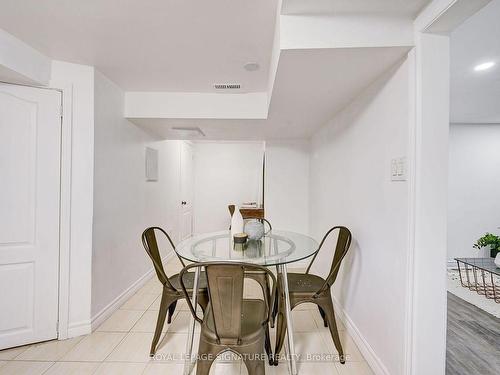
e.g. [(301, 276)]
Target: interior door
[(30, 143), (187, 181)]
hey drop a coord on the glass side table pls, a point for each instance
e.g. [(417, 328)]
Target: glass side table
[(480, 275)]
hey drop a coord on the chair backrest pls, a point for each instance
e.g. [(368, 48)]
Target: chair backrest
[(225, 282), (150, 244), (343, 243)]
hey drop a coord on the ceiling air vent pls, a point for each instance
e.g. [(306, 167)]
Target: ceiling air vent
[(227, 86), (189, 131)]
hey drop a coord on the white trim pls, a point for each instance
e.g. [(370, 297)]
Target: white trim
[(420, 354), (364, 347), (475, 123), (114, 305), (179, 206), (222, 141), (79, 328), (65, 213), (412, 149), (431, 14), (424, 20), (438, 11)]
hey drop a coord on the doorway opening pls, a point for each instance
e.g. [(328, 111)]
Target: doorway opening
[(473, 278)]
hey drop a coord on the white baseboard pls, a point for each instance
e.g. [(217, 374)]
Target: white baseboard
[(114, 305), (79, 328), (364, 347)]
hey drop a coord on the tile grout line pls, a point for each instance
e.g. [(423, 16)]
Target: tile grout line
[(123, 338)]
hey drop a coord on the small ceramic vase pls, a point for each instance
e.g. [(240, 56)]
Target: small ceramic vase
[(236, 222)]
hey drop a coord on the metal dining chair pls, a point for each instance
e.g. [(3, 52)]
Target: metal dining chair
[(230, 321), (171, 292), (305, 287)]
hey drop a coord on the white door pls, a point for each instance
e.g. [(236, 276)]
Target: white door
[(30, 132), (187, 181)]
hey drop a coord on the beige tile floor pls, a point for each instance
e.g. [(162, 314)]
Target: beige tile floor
[(120, 346)]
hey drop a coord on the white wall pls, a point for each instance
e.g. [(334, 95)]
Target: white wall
[(21, 63), (224, 173), (164, 105), (287, 185), (350, 185), (78, 82), (124, 202), (474, 187)]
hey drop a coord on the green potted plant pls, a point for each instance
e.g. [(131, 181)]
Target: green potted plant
[(490, 240)]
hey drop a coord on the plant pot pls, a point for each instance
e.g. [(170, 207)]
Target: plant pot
[(497, 260), (494, 251)]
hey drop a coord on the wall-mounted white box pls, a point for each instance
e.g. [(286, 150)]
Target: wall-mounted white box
[(151, 164)]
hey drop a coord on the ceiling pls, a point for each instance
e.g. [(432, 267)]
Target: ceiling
[(475, 96), (187, 46), (310, 87), (406, 8), (153, 45)]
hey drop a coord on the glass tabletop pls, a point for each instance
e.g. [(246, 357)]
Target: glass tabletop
[(276, 247), (486, 264)]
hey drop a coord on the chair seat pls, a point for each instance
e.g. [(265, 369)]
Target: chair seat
[(304, 283), (188, 281), (253, 313)]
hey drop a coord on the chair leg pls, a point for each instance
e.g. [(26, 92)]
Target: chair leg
[(207, 353), (267, 291), (274, 310), (275, 302), (327, 307), (171, 310), (323, 316), (280, 334), (255, 367), (166, 301), (267, 346), (253, 358)]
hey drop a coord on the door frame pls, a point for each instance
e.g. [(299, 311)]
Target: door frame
[(64, 205), (179, 206), (425, 332), (65, 211)]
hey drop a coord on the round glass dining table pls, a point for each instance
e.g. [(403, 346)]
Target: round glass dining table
[(276, 248)]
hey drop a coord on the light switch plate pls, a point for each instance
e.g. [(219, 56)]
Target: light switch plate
[(399, 169)]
